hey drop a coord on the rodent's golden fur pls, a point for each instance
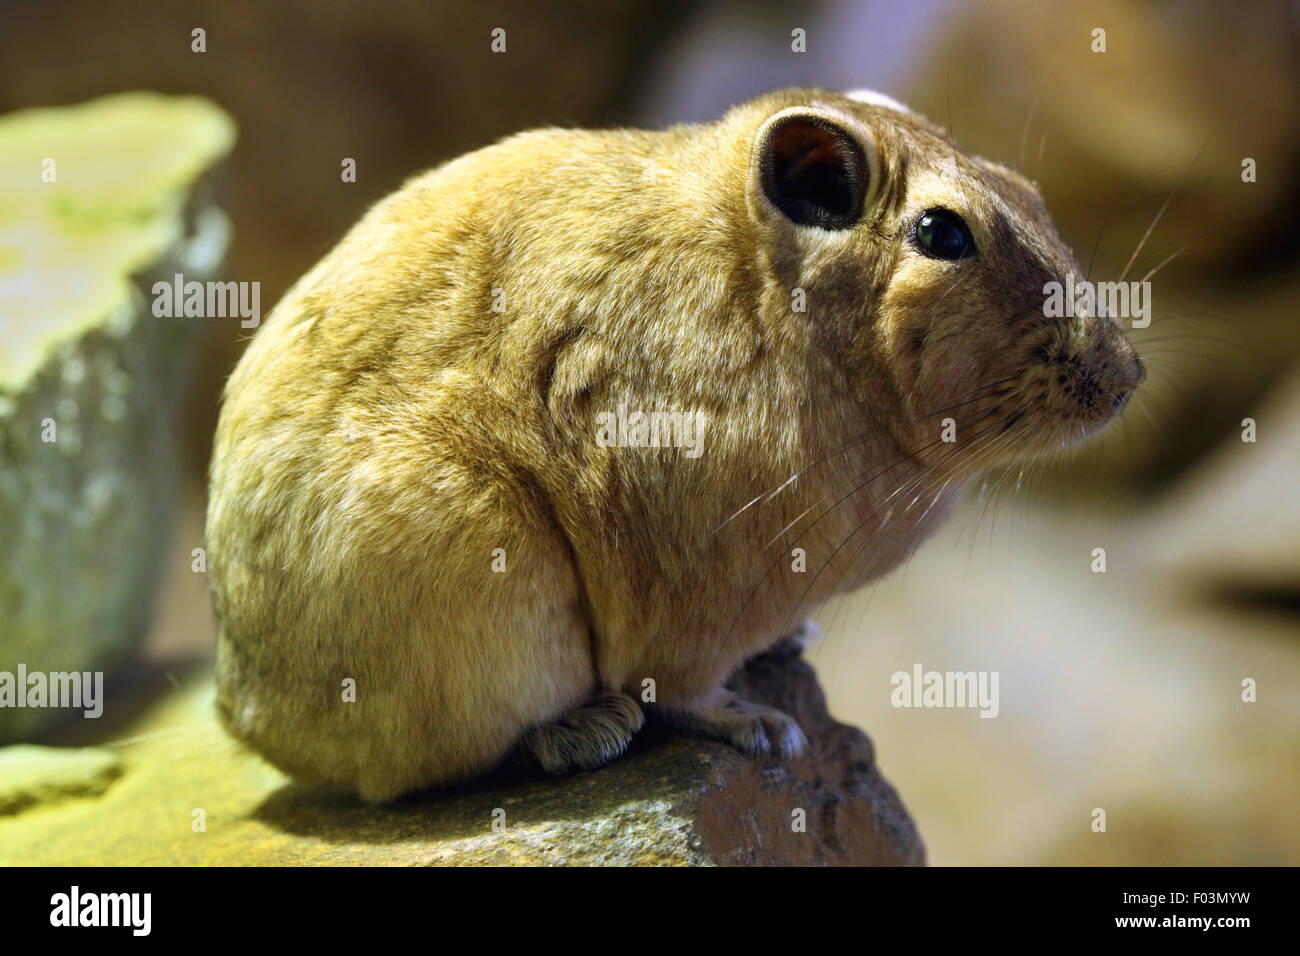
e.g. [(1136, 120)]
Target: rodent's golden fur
[(387, 430)]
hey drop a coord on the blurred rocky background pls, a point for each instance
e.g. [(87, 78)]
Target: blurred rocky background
[(1119, 690)]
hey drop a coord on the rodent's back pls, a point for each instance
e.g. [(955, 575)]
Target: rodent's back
[(406, 410)]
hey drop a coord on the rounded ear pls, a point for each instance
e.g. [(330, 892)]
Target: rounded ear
[(813, 171)]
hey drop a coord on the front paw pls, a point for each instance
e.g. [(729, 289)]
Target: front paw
[(751, 728)]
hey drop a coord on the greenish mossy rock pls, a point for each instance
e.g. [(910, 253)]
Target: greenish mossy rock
[(189, 795), (97, 202), (32, 776)]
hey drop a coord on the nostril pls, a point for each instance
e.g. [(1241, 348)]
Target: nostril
[(1120, 400), (1140, 370)]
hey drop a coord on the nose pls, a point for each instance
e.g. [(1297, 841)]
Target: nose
[(1139, 371), (1137, 375)]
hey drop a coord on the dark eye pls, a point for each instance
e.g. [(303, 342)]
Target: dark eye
[(941, 234)]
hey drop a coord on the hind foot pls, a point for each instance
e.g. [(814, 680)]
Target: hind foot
[(588, 737)]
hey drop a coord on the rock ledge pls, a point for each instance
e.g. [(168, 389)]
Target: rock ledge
[(671, 800)]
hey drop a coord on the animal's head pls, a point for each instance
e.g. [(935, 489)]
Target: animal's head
[(931, 272)]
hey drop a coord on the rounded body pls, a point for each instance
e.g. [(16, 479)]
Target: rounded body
[(435, 521)]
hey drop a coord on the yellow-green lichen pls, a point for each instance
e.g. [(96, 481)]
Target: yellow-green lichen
[(92, 194)]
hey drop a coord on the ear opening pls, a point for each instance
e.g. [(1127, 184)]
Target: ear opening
[(813, 171)]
